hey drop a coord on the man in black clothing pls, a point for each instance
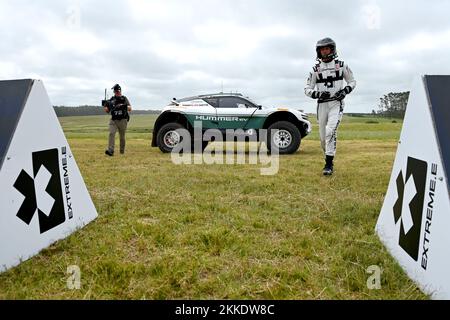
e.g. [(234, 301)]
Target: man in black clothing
[(119, 107)]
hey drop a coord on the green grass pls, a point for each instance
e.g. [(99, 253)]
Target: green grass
[(169, 231)]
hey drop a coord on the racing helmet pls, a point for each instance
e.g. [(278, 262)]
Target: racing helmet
[(326, 42)]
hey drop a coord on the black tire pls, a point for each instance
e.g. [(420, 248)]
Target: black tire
[(162, 139), (163, 144), (287, 135)]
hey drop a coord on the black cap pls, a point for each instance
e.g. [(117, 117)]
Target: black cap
[(116, 88)]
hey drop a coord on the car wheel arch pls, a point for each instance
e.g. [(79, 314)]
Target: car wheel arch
[(167, 117), (284, 116)]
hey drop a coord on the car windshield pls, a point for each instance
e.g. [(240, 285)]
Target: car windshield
[(252, 101)]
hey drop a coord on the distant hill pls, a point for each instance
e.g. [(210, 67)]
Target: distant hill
[(62, 111)]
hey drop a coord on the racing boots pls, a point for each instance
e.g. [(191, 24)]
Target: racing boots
[(328, 169)]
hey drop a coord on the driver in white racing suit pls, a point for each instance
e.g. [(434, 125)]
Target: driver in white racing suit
[(326, 83)]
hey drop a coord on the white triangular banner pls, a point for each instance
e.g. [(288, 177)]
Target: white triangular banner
[(414, 222), (43, 197)]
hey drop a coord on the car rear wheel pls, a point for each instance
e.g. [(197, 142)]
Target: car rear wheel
[(284, 136)]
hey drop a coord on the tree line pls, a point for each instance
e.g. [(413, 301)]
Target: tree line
[(393, 105), (63, 111)]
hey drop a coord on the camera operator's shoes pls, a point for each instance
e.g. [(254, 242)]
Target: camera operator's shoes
[(109, 153), (328, 169)]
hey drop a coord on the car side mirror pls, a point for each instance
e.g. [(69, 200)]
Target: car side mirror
[(259, 107), (175, 102)]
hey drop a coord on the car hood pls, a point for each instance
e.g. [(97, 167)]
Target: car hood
[(296, 112)]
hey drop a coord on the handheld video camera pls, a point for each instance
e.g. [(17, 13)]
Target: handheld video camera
[(106, 103)]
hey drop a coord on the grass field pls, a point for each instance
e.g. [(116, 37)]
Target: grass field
[(223, 231)]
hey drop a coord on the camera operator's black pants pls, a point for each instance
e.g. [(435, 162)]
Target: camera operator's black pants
[(114, 126)]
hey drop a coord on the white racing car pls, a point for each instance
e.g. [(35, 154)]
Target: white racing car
[(285, 126)]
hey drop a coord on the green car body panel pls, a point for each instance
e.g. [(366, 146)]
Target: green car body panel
[(227, 122)]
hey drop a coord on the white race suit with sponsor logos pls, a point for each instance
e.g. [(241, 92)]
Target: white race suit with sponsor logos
[(329, 76)]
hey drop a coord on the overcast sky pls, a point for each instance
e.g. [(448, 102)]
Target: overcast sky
[(265, 49)]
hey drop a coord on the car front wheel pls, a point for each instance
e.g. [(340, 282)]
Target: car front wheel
[(284, 136)]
